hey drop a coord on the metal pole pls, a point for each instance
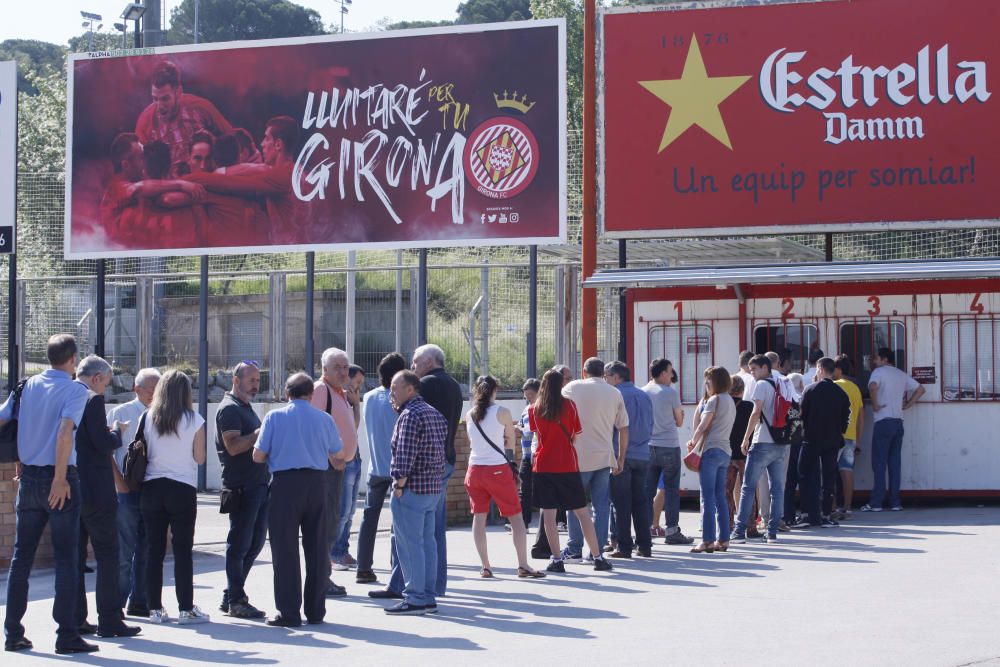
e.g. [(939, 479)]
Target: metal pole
[(12, 369), (484, 322), (138, 35), (422, 298), (203, 357), (99, 308), (622, 314), (532, 355), (399, 304), (588, 337), (350, 307), (196, 7), (308, 363), (828, 243)]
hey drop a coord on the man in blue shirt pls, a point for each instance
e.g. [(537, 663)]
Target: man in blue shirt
[(628, 488), (380, 420), (51, 408), (299, 443)]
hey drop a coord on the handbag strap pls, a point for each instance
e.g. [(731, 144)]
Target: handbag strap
[(140, 433), (490, 442), (329, 399)]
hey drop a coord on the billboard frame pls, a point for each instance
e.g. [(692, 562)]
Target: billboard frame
[(558, 23), (8, 145), (761, 230)]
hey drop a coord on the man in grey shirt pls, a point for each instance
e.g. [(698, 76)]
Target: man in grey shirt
[(665, 446)]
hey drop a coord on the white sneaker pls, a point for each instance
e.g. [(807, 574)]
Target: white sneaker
[(869, 508), (896, 508), (158, 616), (194, 616), (339, 565)]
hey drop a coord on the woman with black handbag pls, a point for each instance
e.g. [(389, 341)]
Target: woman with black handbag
[(491, 476)]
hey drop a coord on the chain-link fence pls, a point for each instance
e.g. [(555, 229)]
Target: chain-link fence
[(364, 302)]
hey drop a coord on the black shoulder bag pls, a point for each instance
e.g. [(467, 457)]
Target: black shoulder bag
[(136, 458), (8, 432), (513, 466)]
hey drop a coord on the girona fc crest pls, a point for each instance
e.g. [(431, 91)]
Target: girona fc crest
[(501, 157)]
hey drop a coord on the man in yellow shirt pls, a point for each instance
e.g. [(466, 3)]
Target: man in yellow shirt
[(855, 429)]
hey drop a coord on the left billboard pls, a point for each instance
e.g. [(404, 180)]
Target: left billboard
[(408, 139)]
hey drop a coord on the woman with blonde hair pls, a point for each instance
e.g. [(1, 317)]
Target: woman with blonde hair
[(718, 412), (175, 439), (491, 477)]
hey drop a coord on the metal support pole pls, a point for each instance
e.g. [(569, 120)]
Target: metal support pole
[(560, 315), (278, 298), (144, 322), (351, 306), (532, 353), (484, 322), (99, 308), (828, 243), (422, 298), (12, 299), (308, 363), (203, 357), (588, 318), (622, 314), (398, 339), (575, 360)]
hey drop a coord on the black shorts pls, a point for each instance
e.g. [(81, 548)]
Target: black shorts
[(558, 490)]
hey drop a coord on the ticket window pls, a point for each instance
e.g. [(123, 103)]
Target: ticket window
[(969, 359), (798, 337), (860, 341), (690, 348)]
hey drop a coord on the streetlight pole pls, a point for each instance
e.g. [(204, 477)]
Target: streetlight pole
[(343, 10)]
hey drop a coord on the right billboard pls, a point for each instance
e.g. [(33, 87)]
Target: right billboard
[(825, 116)]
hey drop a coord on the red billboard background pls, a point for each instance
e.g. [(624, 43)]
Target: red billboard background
[(822, 116), (412, 139)]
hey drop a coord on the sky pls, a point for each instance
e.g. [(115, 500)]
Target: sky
[(62, 20)]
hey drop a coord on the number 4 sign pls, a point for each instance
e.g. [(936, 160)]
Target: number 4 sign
[(8, 153)]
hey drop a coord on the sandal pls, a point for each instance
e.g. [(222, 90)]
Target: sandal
[(703, 548), (486, 573), (525, 573), (722, 546)]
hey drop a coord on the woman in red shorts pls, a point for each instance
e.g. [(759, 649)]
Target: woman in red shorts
[(490, 476), (556, 472)]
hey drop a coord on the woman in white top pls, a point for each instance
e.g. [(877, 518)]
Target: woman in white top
[(175, 440), (490, 475)]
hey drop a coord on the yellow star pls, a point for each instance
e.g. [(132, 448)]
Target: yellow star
[(694, 99)]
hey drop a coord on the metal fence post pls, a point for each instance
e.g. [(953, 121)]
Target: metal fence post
[(203, 357), (277, 353), (571, 324), (532, 352), (350, 307), (22, 300), (13, 308), (144, 322), (399, 304), (308, 363), (560, 315), (100, 301), (484, 322)]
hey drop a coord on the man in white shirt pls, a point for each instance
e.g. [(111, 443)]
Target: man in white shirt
[(891, 391), (745, 374), (602, 410), (131, 532)]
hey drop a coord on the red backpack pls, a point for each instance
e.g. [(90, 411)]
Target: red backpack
[(785, 424)]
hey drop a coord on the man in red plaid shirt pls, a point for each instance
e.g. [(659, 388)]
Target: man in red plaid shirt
[(416, 469)]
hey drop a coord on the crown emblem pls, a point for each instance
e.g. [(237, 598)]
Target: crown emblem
[(511, 101)]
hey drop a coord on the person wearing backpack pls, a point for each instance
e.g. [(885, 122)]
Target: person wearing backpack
[(763, 454), (826, 412)]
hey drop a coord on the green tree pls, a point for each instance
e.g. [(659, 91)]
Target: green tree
[(102, 41), (409, 25), (493, 11), (229, 20), (33, 57), (572, 11)]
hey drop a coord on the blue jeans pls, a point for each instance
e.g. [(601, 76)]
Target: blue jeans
[(763, 456), (440, 536), (33, 513), (413, 525), (247, 535), (714, 505), (665, 464), (132, 549), (598, 484), (887, 451), (348, 503), (628, 492)]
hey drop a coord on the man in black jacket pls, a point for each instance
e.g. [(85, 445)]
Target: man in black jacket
[(826, 411), (99, 508)]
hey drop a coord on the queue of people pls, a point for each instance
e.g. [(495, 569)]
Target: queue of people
[(599, 448)]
